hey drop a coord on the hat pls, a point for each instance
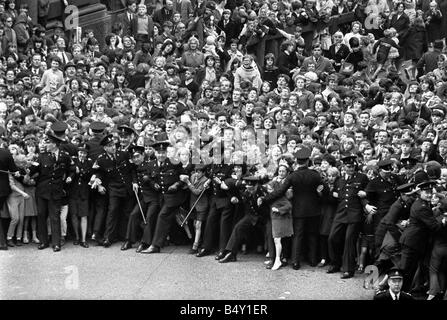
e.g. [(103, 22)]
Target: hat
[(438, 110), (395, 273), (303, 153), (406, 187), (426, 185), (134, 149), (161, 145), (59, 127), (251, 180), (126, 130), (53, 138), (98, 126), (351, 159), (386, 165), (68, 65), (409, 162), (106, 140), (226, 11)]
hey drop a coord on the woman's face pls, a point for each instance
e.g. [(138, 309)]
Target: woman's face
[(141, 113), (156, 100), (268, 124), (291, 145), (282, 139), (319, 106), (252, 95), (292, 101), (355, 28), (331, 178), (265, 87), (282, 172), (210, 62)]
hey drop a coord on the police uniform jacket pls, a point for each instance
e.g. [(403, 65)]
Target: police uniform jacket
[(7, 164), (422, 224), (50, 182), (306, 200), (145, 183), (382, 193), (94, 148), (251, 209), (79, 188), (169, 176), (350, 206), (219, 196), (385, 295), (116, 174)]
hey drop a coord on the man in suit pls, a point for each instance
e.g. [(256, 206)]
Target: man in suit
[(400, 21), (348, 218), (165, 13), (307, 186), (338, 51), (114, 172), (416, 236), (127, 17), (395, 281), (6, 164), (228, 26), (55, 168), (321, 64)]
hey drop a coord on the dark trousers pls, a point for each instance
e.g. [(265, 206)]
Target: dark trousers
[(97, 213), (241, 232), (117, 216), (164, 222), (342, 245), (49, 208), (409, 262), (219, 219), (438, 266), (305, 226), (2, 232), (381, 231), (150, 209)]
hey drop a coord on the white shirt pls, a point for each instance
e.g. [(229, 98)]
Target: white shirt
[(394, 296)]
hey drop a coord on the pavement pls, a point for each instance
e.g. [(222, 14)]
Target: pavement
[(100, 273)]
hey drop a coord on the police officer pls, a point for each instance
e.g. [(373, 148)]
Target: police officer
[(54, 168), (98, 201), (79, 194), (173, 196), (395, 281), (381, 193), (148, 205), (398, 214), (220, 215), (415, 238), (307, 186), (348, 218), (114, 172), (255, 216), (152, 194), (126, 137)]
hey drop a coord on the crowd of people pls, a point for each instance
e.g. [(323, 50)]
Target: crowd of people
[(306, 131)]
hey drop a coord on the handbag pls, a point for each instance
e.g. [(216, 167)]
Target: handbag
[(347, 68)]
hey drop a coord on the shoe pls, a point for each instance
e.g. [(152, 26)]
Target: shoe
[(229, 257), (126, 246), (220, 255), (43, 246), (106, 243), (35, 240), (296, 266), (322, 264), (333, 269), (83, 244), (193, 251), (4, 247), (19, 243), (76, 242), (94, 237), (347, 275), (62, 241), (56, 249), (202, 253), (151, 249), (269, 265), (10, 243), (268, 261), (277, 265), (141, 247), (284, 262)]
